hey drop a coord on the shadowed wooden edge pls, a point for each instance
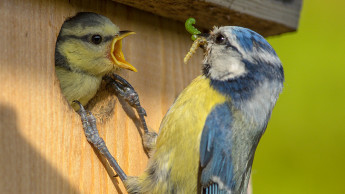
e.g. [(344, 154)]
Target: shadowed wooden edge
[(267, 17)]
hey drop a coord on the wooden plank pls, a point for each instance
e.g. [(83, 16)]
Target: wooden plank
[(43, 148), (268, 17)]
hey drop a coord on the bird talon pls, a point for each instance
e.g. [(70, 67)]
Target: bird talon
[(126, 91), (122, 81)]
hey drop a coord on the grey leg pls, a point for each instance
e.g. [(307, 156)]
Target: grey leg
[(126, 91), (92, 135)]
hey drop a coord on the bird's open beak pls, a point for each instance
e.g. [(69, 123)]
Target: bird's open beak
[(116, 51)]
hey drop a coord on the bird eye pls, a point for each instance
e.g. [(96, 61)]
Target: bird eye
[(96, 39), (220, 39)]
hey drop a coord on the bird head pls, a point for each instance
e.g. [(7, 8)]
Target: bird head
[(235, 52), (91, 43)]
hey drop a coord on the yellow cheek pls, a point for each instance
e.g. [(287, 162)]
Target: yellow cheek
[(92, 59), (77, 86)]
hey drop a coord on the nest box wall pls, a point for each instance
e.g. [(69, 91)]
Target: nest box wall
[(43, 147)]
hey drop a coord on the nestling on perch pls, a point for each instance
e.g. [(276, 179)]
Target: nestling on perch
[(207, 139)]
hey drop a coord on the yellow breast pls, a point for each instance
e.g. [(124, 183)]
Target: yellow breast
[(77, 86), (177, 149)]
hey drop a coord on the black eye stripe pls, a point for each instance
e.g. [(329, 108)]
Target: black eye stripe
[(108, 38), (85, 38), (66, 37)]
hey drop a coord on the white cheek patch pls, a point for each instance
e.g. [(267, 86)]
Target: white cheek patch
[(225, 66)]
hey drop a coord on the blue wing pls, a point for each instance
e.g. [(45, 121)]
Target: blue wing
[(215, 152)]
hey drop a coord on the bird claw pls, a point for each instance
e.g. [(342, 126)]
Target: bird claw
[(92, 135), (89, 124), (127, 92), (149, 142)]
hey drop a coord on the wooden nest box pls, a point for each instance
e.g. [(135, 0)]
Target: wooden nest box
[(43, 147)]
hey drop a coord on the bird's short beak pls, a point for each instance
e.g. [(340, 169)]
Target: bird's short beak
[(116, 51), (206, 35)]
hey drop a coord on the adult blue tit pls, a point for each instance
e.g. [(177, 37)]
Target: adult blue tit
[(207, 139), (88, 47)]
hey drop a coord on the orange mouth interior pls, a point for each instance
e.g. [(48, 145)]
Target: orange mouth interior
[(117, 54)]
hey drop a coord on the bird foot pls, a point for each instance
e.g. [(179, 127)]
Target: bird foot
[(92, 135), (126, 91), (149, 141)]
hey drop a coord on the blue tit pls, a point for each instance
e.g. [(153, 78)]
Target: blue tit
[(88, 47), (207, 139)]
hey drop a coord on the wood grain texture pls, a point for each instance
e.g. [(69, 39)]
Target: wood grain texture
[(42, 147), (267, 17)]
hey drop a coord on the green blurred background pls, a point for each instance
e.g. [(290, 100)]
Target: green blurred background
[(303, 149)]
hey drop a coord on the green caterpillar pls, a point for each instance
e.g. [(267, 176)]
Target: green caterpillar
[(191, 29)]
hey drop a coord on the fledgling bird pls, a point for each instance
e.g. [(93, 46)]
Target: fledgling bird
[(207, 139), (88, 47)]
